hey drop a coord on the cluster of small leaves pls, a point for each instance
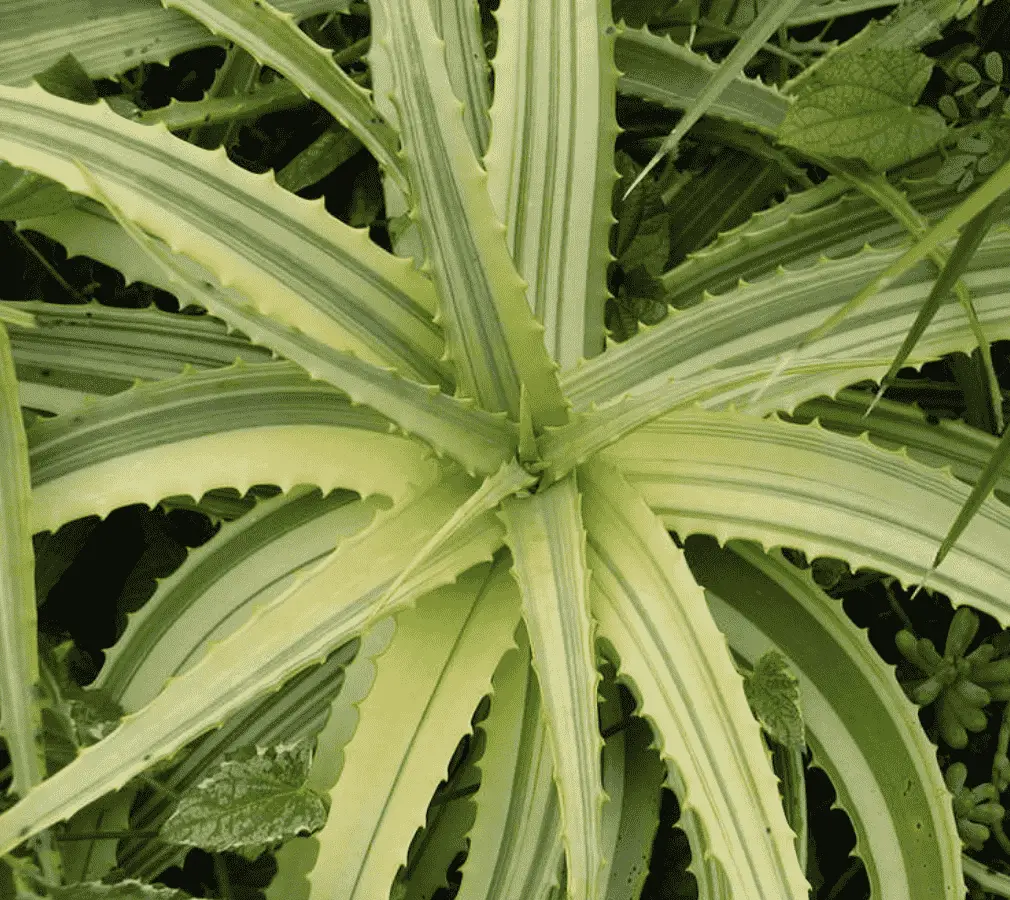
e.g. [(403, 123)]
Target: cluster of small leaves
[(980, 104), (976, 810), (964, 684)]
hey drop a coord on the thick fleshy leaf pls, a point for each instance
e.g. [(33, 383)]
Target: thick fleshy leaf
[(296, 858), (249, 799), (20, 713), (491, 334), (747, 327), (107, 36), (515, 842), (657, 68), (735, 476), (652, 613), (547, 540), (317, 613), (553, 126), (286, 255), (234, 427), (451, 643), (480, 441), (274, 39), (246, 564), (863, 730)]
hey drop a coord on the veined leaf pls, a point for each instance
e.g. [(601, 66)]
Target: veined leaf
[(451, 642), (653, 614), (313, 616), (545, 534), (773, 694), (249, 800), (736, 476), (275, 40), (553, 126), (107, 36), (477, 439), (862, 729), (861, 105), (286, 255), (123, 890), (490, 331), (19, 662)]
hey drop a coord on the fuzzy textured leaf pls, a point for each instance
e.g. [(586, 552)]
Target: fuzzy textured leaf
[(774, 695)]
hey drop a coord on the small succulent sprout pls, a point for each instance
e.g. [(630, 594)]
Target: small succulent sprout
[(1001, 771), (993, 64), (976, 809), (948, 106), (963, 683)]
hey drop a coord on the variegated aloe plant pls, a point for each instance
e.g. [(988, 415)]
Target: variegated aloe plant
[(507, 485)]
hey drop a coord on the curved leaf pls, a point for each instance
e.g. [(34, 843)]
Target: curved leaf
[(316, 614), (674, 658), (553, 126), (863, 730), (286, 255), (273, 39), (735, 476), (491, 334), (451, 642)]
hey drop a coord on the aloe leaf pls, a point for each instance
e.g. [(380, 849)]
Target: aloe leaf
[(491, 334), (553, 126), (735, 476), (751, 324), (479, 440), (285, 254), (545, 534), (274, 39), (862, 729), (452, 642), (237, 427), (458, 23), (765, 24), (107, 36), (247, 563), (657, 68), (653, 614), (317, 613), (515, 842), (76, 352), (967, 244), (296, 857), (988, 193), (19, 670), (129, 889)]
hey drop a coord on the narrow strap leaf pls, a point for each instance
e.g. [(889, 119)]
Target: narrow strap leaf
[(765, 24), (274, 39), (968, 242), (545, 535)]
